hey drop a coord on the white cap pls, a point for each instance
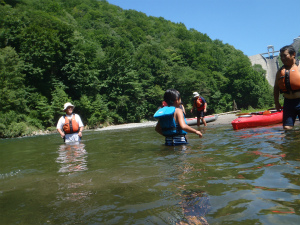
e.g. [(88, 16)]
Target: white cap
[(196, 94), (66, 105)]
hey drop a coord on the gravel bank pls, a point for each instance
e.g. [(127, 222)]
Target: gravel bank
[(223, 119)]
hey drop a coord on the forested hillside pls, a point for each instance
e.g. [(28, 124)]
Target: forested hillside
[(113, 64)]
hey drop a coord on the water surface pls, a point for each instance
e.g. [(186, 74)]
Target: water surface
[(128, 176)]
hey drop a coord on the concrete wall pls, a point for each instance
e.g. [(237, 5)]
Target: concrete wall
[(273, 66), (268, 64), (296, 45)]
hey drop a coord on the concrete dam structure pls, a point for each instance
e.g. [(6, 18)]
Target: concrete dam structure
[(269, 60), (269, 63)]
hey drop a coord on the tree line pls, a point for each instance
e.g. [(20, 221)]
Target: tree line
[(113, 64)]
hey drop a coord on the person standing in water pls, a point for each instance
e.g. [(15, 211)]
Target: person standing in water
[(287, 81), (70, 126), (172, 123), (200, 104)]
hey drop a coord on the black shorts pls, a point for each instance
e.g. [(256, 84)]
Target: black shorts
[(200, 114), (291, 109)]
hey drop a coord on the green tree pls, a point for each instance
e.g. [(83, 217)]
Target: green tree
[(114, 64), (12, 88), (59, 98)]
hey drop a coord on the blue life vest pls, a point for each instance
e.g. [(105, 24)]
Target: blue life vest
[(167, 121)]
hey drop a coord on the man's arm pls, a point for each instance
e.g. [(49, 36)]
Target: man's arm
[(62, 134), (59, 127), (277, 92)]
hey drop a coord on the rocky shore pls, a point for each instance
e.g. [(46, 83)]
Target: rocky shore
[(223, 119)]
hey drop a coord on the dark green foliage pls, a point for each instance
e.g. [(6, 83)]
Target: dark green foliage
[(113, 64), (12, 88), (94, 111), (14, 124)]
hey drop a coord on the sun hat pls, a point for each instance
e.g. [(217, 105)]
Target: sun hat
[(68, 104), (196, 94)]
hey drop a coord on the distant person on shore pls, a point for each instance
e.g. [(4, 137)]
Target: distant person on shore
[(200, 104), (287, 81), (70, 125), (172, 123)]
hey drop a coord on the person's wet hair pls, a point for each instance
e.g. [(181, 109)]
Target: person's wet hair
[(170, 96), (290, 49)]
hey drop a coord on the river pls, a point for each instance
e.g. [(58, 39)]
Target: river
[(128, 176)]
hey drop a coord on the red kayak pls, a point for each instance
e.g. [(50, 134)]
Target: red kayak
[(193, 121), (257, 119)]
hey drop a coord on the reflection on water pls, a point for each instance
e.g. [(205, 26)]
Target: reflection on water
[(72, 158), (195, 205), (244, 177), (193, 202)]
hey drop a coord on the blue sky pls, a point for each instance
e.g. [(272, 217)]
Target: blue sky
[(248, 25)]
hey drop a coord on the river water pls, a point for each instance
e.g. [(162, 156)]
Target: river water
[(128, 176)]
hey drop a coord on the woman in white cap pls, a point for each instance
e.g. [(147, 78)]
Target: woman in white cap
[(200, 104), (70, 125)]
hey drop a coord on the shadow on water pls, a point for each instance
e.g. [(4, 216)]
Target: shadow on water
[(128, 176)]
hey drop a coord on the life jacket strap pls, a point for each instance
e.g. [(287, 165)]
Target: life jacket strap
[(287, 81)]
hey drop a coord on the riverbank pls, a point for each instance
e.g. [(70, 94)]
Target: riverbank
[(223, 119)]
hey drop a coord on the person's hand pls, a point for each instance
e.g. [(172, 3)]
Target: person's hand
[(62, 135), (278, 106), (199, 133), (191, 110), (80, 134), (204, 110)]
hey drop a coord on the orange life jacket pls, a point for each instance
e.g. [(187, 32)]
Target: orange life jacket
[(289, 80), (199, 104), (70, 126)]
